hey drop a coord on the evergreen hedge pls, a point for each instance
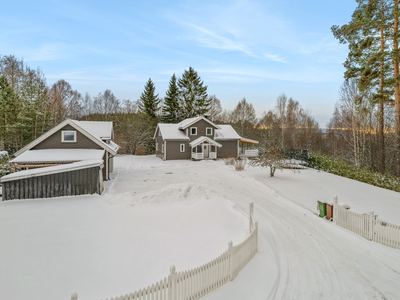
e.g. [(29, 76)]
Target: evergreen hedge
[(343, 168)]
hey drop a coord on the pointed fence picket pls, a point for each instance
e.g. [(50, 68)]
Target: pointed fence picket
[(196, 283), (368, 226)]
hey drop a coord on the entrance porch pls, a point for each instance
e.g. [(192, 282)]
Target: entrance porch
[(204, 148)]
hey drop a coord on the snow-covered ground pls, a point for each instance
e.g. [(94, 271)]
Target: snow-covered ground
[(156, 213)]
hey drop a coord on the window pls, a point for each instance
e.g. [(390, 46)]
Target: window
[(193, 130), (208, 131), (68, 136), (156, 146), (182, 147), (162, 148), (159, 132)]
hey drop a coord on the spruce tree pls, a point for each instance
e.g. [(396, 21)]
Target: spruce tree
[(193, 97), (149, 101), (8, 110), (171, 109)]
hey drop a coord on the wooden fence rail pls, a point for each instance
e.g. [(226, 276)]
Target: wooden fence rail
[(368, 225), (198, 282)]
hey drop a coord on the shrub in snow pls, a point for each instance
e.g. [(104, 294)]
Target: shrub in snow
[(343, 168), (239, 163), (5, 167), (272, 159)]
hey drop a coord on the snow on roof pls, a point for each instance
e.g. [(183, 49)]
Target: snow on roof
[(204, 139), (226, 133), (113, 145), (102, 130), (56, 155), (187, 122), (172, 132), (53, 170)]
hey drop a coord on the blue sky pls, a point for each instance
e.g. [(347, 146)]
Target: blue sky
[(252, 49)]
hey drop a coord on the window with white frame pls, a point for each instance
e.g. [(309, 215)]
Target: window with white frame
[(162, 148), (208, 131), (156, 146), (193, 130), (68, 136), (182, 147), (159, 132)]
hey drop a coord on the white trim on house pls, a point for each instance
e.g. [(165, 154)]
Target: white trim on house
[(194, 120), (211, 133), (63, 132), (203, 139), (165, 148), (191, 130), (59, 127), (156, 146), (162, 148), (182, 147)]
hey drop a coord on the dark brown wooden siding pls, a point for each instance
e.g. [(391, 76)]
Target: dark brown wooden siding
[(228, 149), (173, 150), (69, 183), (54, 141), (201, 130)]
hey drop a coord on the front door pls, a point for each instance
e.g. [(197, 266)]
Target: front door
[(205, 151)]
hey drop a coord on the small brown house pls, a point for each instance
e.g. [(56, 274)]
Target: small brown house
[(68, 142), (196, 138)]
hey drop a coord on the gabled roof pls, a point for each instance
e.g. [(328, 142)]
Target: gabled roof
[(103, 130), (202, 139), (189, 122), (171, 132), (226, 132), (89, 132)]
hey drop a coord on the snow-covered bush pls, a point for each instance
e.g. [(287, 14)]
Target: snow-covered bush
[(343, 168), (272, 159), (5, 167), (239, 163)]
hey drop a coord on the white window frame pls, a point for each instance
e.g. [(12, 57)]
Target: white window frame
[(65, 131), (182, 148), (162, 148), (159, 132), (207, 128), (191, 133), (156, 146)]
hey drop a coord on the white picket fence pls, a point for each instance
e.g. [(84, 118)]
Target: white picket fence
[(198, 282), (368, 225)]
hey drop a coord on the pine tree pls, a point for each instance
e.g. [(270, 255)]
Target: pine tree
[(149, 101), (369, 58), (171, 109), (193, 96)]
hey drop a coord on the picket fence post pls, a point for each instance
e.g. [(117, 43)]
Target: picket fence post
[(335, 213), (371, 225), (251, 208), (172, 283), (74, 296), (256, 236), (230, 251)]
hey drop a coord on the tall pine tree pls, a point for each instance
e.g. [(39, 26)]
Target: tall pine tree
[(369, 58), (194, 100), (171, 110), (149, 101)]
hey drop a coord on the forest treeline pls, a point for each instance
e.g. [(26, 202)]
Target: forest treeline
[(29, 107)]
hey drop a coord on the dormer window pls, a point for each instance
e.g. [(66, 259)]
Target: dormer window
[(193, 130), (68, 136), (208, 131)]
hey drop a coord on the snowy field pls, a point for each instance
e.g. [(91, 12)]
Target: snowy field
[(156, 213)]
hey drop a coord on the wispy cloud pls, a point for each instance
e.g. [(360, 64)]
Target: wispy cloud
[(276, 57)]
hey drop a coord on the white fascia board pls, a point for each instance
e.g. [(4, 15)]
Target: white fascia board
[(198, 119), (155, 133)]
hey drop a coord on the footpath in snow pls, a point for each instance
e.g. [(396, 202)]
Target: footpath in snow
[(156, 213)]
